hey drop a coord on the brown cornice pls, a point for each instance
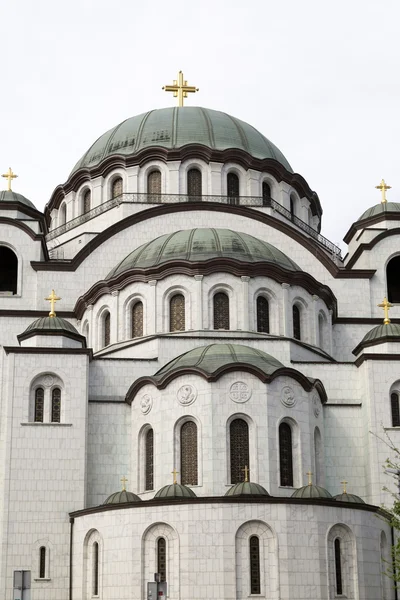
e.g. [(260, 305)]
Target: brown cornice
[(364, 357), (241, 157), (37, 237), (381, 340), (28, 210), (361, 321), (14, 312), (369, 245), (47, 350), (52, 332), (386, 216)]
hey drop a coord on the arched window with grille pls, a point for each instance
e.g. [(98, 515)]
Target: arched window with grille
[(39, 405), (338, 568), (262, 314), (149, 460), (285, 455), (239, 449), (255, 579), (177, 313), (137, 319), (106, 329), (42, 562), (117, 187), (221, 310), (296, 322), (188, 443), (394, 402), (154, 182), (393, 280), (56, 405), (8, 271), (194, 184), (95, 565), (232, 182), (162, 558), (87, 199), (266, 193)]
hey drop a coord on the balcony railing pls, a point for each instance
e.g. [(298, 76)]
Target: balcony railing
[(177, 198)]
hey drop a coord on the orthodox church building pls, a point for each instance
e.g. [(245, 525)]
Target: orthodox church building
[(207, 346)]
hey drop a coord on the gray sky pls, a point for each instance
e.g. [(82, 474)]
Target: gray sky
[(319, 79)]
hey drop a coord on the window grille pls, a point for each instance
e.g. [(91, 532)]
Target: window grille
[(95, 569), (42, 562), (107, 329), (285, 454), (116, 189), (162, 558), (233, 188), (338, 568), (189, 453), (239, 449), (56, 405), (137, 320), (296, 323), (39, 405), (149, 460), (266, 193), (262, 315), (154, 182), (394, 401), (86, 201), (177, 313), (221, 311), (255, 583), (194, 184)]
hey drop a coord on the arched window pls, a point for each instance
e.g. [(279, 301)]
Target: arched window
[(177, 313), (318, 455), (194, 184), (292, 204), (116, 188), (285, 455), (162, 558), (233, 188), (8, 271), (239, 449), (154, 182), (338, 568), (321, 327), (39, 405), (221, 310), (393, 279), (56, 405), (255, 580), (189, 453), (296, 322), (262, 315), (137, 319), (266, 193), (87, 198), (42, 562), (394, 402), (95, 586), (149, 460), (106, 329), (63, 214)]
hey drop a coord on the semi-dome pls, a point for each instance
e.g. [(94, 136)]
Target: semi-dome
[(122, 497), (174, 491), (380, 334), (380, 209), (10, 196), (51, 326), (247, 488), (199, 245), (345, 497), (175, 127), (311, 491)]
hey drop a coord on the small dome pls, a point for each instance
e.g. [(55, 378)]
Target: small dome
[(199, 245), (378, 335), (174, 491), (10, 196), (345, 497), (311, 491), (51, 326), (247, 488), (380, 209), (122, 497)]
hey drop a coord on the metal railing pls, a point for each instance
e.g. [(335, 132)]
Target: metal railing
[(178, 198)]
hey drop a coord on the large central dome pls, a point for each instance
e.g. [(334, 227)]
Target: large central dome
[(173, 128)]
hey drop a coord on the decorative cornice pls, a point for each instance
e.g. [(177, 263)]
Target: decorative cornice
[(47, 350), (36, 237), (368, 343), (369, 245), (6, 312), (51, 332), (385, 216), (364, 357)]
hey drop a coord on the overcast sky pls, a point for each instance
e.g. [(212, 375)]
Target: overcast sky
[(319, 79)]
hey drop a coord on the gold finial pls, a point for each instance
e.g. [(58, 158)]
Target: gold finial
[(385, 305), (52, 299), (309, 473), (344, 482), (246, 472), (175, 473), (123, 481), (9, 176), (180, 88), (383, 187)]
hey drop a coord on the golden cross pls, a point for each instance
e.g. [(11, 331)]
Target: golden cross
[(180, 88), (9, 176), (246, 471), (383, 187), (175, 473), (385, 305), (309, 473), (123, 481), (344, 486), (52, 299)]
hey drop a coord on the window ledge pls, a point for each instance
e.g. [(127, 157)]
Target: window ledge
[(397, 428), (44, 579), (38, 424)]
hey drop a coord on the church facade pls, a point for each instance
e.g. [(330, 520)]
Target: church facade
[(209, 347)]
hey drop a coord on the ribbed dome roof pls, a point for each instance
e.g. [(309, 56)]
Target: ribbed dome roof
[(122, 497), (345, 497), (247, 488), (173, 128), (203, 244), (174, 491), (45, 324), (209, 359), (10, 196), (391, 330), (380, 209), (311, 491)]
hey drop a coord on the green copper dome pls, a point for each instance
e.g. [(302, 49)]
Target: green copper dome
[(6, 196), (52, 326), (381, 209), (378, 335), (247, 488), (345, 497), (175, 491), (173, 128), (122, 497), (198, 245), (311, 491)]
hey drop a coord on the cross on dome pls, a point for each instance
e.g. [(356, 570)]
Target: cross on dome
[(386, 306), (175, 473), (344, 483), (9, 176), (383, 187), (180, 88), (309, 473), (123, 481), (246, 472), (53, 298)]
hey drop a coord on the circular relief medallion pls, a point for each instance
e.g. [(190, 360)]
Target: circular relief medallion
[(239, 392), (146, 402), (287, 396), (186, 394), (316, 406), (48, 381)]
